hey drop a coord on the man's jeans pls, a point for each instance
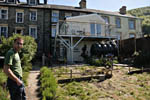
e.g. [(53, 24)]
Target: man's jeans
[(16, 92)]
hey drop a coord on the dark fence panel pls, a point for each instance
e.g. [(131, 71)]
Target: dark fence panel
[(127, 47)]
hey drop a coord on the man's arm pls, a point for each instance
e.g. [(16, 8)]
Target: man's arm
[(11, 75)]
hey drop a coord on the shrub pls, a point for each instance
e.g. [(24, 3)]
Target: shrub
[(28, 51), (48, 84), (3, 91)]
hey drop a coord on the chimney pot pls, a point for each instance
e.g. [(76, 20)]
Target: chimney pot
[(123, 10)]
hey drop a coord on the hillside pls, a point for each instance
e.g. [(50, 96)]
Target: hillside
[(143, 13)]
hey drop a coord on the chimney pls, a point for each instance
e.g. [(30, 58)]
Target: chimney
[(45, 1), (123, 10), (82, 4)]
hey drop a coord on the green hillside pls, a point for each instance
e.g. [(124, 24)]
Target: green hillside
[(143, 13)]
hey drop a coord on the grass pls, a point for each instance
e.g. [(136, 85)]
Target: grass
[(121, 86)]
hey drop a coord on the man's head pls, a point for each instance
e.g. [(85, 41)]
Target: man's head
[(18, 43)]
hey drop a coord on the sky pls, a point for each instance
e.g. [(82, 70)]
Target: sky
[(108, 5)]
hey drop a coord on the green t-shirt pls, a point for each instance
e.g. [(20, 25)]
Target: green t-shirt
[(13, 60)]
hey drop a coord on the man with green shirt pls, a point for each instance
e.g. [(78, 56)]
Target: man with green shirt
[(13, 69)]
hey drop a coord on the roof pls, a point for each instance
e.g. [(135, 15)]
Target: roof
[(69, 8), (87, 18)]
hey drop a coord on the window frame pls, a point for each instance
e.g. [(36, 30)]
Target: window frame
[(52, 32), (55, 18), (17, 17), (6, 31), (106, 17), (134, 24), (118, 22), (35, 34), (32, 3), (5, 14), (33, 16)]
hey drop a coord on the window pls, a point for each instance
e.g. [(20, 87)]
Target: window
[(2, 0), (19, 30), (118, 22), (119, 35), (33, 15), (106, 19), (92, 29), (33, 32), (55, 16), (131, 24), (32, 2), (53, 31), (11, 1), (19, 17), (68, 15), (131, 35), (95, 29), (3, 14), (98, 28), (4, 31)]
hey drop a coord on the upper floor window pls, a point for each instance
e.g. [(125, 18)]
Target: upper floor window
[(19, 17), (33, 32), (68, 15), (55, 16), (131, 24), (3, 14), (2, 0), (33, 15), (4, 31), (11, 1), (106, 18), (32, 2), (118, 22)]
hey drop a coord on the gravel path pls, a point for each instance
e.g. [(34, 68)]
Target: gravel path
[(31, 89)]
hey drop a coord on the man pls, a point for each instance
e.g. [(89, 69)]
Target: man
[(13, 69)]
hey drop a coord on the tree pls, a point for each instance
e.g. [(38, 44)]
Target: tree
[(28, 51)]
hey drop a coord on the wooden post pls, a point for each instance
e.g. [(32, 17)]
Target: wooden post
[(71, 74)]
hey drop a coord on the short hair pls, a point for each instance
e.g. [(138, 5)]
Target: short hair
[(18, 38)]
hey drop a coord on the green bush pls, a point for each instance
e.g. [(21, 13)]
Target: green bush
[(48, 84), (3, 91), (28, 51)]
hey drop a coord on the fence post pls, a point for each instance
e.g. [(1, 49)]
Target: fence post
[(71, 74)]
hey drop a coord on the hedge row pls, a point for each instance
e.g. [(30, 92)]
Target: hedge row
[(48, 84)]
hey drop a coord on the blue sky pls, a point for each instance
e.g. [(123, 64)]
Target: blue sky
[(108, 5)]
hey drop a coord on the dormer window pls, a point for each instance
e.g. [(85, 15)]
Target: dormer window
[(2, 0), (32, 2), (10, 1)]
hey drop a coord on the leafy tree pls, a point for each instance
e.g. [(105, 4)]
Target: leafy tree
[(28, 51)]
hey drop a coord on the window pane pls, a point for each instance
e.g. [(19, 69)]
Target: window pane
[(53, 32), (4, 31), (118, 23), (131, 24), (19, 17), (92, 29), (33, 2), (33, 32), (33, 15), (4, 14), (98, 27)]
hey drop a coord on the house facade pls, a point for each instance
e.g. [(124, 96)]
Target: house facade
[(39, 20)]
